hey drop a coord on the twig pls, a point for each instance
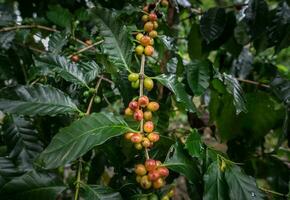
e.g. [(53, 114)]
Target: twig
[(86, 48), (78, 179), (253, 82), (273, 192), (92, 98), (106, 79), (30, 26)]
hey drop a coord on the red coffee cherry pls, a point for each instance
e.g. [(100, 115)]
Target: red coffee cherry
[(138, 115), (143, 101), (89, 42), (150, 164), (149, 50), (75, 58), (145, 40), (153, 106), (133, 105), (140, 170), (163, 171), (153, 175), (148, 126), (136, 138), (153, 137), (152, 17)]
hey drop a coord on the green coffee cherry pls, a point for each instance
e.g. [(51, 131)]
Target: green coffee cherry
[(92, 90), (133, 77), (97, 99), (135, 84), (86, 93)]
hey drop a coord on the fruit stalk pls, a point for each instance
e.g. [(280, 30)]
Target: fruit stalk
[(141, 93)]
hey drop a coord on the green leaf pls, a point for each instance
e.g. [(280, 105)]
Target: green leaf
[(68, 70), (198, 75), (195, 43), (60, 16), (39, 100), (116, 42), (6, 39), (32, 185), (233, 87), (241, 186), (75, 140), (179, 161), (193, 144), (212, 23), (256, 17), (281, 88), (8, 170), (177, 88), (21, 138), (97, 192), (215, 187), (56, 42)]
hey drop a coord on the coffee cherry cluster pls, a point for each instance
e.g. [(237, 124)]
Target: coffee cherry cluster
[(151, 174), (146, 39), (134, 79), (142, 109)]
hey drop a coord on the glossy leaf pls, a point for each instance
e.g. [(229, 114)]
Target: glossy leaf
[(193, 144), (179, 161), (116, 42), (57, 42), (195, 42), (198, 75), (241, 186), (97, 192), (212, 23), (177, 88), (82, 135), (32, 185), (39, 100), (215, 185), (60, 16)]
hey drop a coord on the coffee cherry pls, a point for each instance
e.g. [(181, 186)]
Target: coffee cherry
[(129, 112), (138, 146), (145, 18), (165, 197), (171, 193), (86, 93), (139, 36), (158, 183), (153, 197), (133, 105), (150, 164), (151, 41), (148, 127), (153, 137), (145, 182), (146, 9), (145, 41), (158, 163), (148, 26), (163, 171), (76, 58), (135, 84), (139, 50), (143, 101), (164, 3), (97, 99), (140, 170), (155, 25), (146, 143), (138, 115), (153, 34), (136, 138), (89, 42), (129, 135), (153, 106), (147, 115), (148, 84), (149, 50), (153, 175), (152, 17), (133, 77), (138, 179)]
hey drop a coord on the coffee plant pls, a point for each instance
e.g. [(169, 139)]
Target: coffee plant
[(144, 100)]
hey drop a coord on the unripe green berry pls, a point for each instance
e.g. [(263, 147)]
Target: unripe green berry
[(97, 99), (133, 77)]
